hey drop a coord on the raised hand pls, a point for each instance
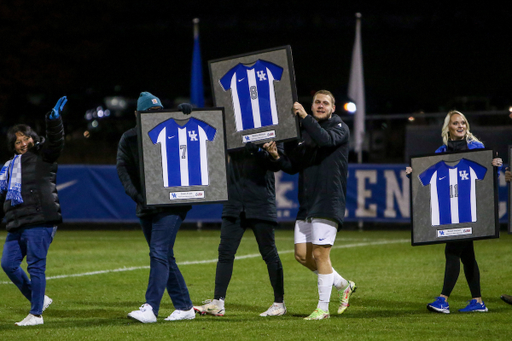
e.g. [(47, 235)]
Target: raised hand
[(57, 109)]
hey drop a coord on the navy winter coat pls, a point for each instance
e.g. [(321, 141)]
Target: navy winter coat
[(38, 182), (321, 158), (251, 185)]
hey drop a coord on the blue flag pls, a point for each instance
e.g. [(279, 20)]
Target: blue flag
[(196, 83)]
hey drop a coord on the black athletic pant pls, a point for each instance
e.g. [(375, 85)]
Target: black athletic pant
[(231, 233), (455, 252)]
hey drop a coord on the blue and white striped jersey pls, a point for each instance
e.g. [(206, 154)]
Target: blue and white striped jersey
[(453, 191), (183, 149), (253, 94)]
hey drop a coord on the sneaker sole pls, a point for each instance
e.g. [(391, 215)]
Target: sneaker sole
[(317, 319), (475, 311), (183, 319), (262, 315), (202, 312), (136, 319), (212, 314), (435, 310), (28, 325)]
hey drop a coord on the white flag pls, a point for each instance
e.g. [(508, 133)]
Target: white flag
[(356, 88)]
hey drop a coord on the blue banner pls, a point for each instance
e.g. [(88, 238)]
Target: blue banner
[(375, 193)]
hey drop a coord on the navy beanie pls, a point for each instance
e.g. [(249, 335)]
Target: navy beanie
[(147, 100)]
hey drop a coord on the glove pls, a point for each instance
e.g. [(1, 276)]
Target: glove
[(252, 149), (58, 107), (186, 108)]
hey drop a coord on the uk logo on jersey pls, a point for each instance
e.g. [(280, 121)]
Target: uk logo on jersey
[(184, 151), (453, 191), (253, 94)]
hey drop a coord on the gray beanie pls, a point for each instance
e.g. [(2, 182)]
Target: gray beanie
[(147, 100)]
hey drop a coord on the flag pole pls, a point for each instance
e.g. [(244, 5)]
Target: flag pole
[(356, 91), (196, 82), (195, 21)]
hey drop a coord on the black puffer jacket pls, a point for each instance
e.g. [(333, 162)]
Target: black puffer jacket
[(128, 169), (321, 157), (38, 182), (251, 185)]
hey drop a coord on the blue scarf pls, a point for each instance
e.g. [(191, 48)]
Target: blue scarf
[(10, 180)]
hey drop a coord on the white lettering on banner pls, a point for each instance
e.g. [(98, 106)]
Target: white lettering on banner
[(283, 213), (362, 193), (502, 208), (282, 187), (393, 191)]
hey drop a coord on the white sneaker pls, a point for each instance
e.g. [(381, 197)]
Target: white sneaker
[(182, 315), (30, 320), (144, 314), (47, 302), (209, 307), (276, 309)]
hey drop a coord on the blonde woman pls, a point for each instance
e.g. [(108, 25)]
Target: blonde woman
[(457, 137)]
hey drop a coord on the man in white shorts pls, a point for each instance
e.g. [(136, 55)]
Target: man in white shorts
[(321, 158)]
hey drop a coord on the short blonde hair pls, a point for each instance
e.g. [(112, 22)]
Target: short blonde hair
[(327, 93), (445, 131)]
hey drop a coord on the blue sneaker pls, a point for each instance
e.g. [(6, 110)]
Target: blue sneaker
[(474, 306), (439, 306)]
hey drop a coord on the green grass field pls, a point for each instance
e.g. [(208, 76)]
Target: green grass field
[(395, 282)]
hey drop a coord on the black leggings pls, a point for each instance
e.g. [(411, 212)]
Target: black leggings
[(454, 253), (231, 233)]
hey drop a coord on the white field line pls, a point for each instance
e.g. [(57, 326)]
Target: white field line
[(345, 246)]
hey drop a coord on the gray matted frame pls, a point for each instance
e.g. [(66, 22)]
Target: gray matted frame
[(486, 225), (152, 165), (287, 127)]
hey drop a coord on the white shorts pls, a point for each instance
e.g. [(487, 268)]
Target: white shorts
[(319, 231)]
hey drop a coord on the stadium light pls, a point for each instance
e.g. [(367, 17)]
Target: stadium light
[(350, 107), (116, 103)]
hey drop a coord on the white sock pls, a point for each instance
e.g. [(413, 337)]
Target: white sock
[(324, 290), (339, 282), (219, 303)]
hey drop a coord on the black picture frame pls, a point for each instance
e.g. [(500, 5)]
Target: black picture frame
[(426, 227), (274, 119), (199, 175)]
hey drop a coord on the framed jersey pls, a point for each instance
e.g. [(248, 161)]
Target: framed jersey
[(454, 197), (183, 157), (257, 91)]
